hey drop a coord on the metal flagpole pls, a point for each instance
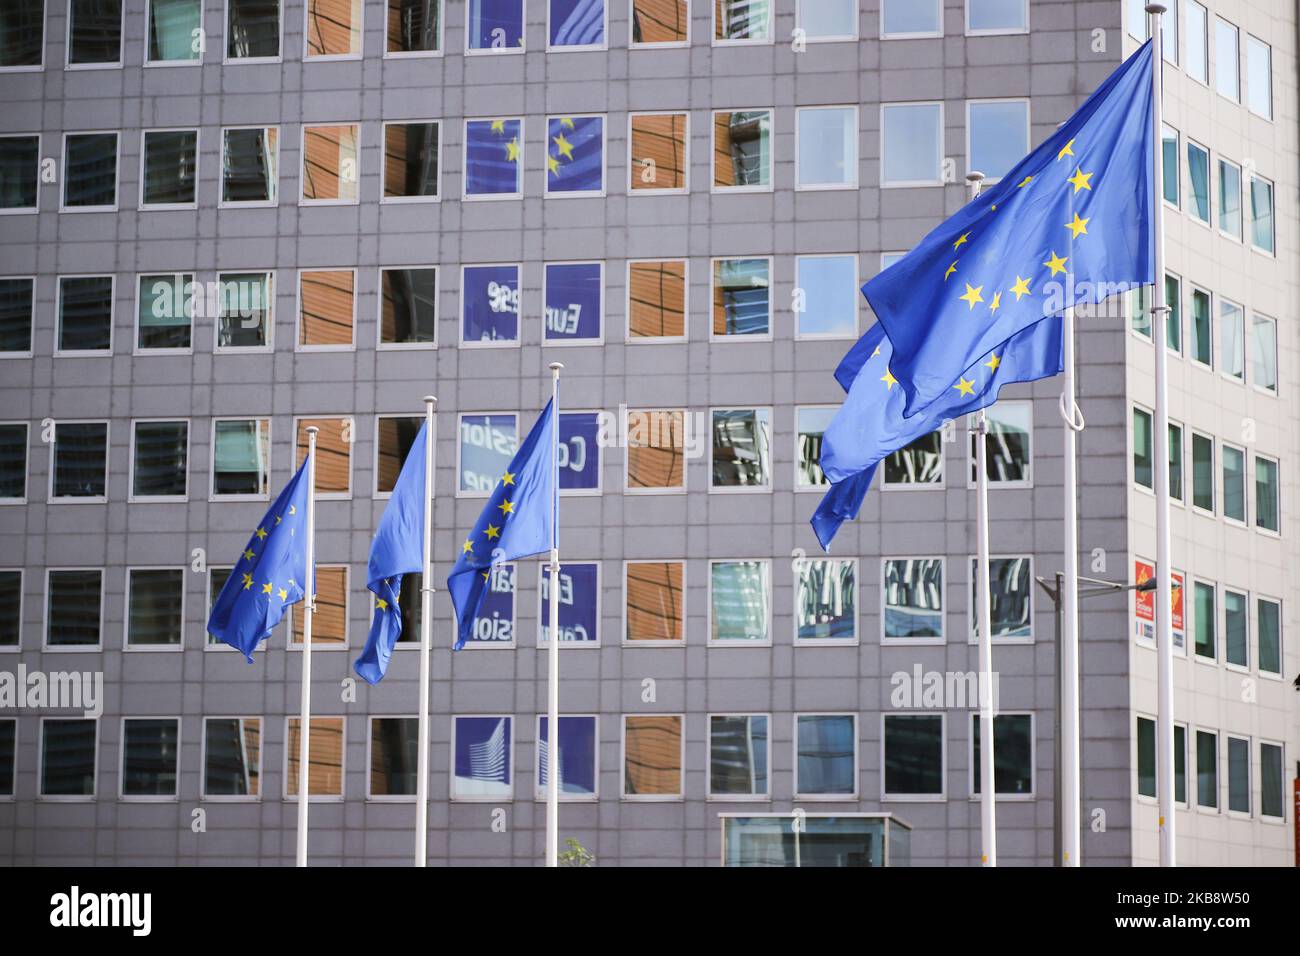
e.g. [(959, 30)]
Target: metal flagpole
[(553, 676), (426, 643), (988, 786), (1068, 769), (308, 608), (1160, 424)]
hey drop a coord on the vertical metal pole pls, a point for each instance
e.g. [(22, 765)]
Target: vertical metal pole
[(426, 643), (553, 684), (1160, 424), (1058, 785), (1067, 674), (308, 609)]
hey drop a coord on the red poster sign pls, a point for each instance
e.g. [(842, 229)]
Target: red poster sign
[(1145, 604)]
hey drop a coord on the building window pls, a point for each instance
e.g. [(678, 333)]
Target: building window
[(411, 161), (1236, 641), (1234, 482), (742, 21), (812, 424), (150, 755), (1230, 199), (739, 756), (394, 436), (1198, 63), (8, 756), (241, 457), (653, 751), (655, 443), (1272, 799), (232, 757), (826, 600), (1203, 472), (656, 307), (1232, 340), (487, 444), (914, 756), (11, 607), (1146, 757), (90, 171), (494, 158), (1180, 764), (997, 135), (1169, 144), (578, 758), (95, 33), (1008, 444), (911, 144), (1202, 331), (827, 19), (410, 607), (742, 151), (333, 28), (245, 311), (249, 165), (826, 296), (826, 755), (575, 156), (1013, 755), (910, 18), (1198, 171), (574, 295), (1267, 489), (1207, 769), (660, 22), (576, 24), (155, 607), (1259, 77), (490, 305), (85, 314), (1263, 353), (741, 458), (495, 26), (252, 29), (160, 459), (165, 312), (1268, 632), (742, 302), (1176, 461), (1010, 599), (333, 454), (19, 172), (483, 758), (1227, 72), (1205, 620), (660, 152), (913, 598), (654, 594), (175, 31), (326, 308), (217, 578), (169, 168), (414, 26), (22, 42), (13, 462), (918, 463), (408, 305), (1140, 311), (74, 606), (997, 16), (827, 150), (329, 622), (330, 157), (579, 604), (1174, 317), (494, 624), (80, 468), (739, 602), (1238, 775), (394, 757), (1261, 214), (325, 750), (579, 452), (68, 752)]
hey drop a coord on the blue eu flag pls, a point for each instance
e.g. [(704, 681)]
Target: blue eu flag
[(269, 575), (871, 425), (494, 151), (577, 22), (518, 520), (397, 549), (1071, 223), (575, 160)]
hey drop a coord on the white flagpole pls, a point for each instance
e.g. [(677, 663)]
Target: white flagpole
[(553, 682), (308, 608), (1160, 424), (988, 785), (426, 643), (1070, 792)]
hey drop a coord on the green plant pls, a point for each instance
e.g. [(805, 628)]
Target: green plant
[(575, 854)]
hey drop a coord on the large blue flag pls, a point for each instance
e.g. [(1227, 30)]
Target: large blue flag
[(269, 575), (397, 549), (575, 154), (1071, 223), (518, 520), (494, 152), (871, 425)]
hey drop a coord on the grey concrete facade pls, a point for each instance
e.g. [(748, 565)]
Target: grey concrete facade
[(1055, 65)]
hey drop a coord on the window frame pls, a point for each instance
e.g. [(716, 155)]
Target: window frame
[(1215, 625), (27, 461), (1241, 205), (460, 416), (1210, 169), (375, 493), (639, 340), (518, 340), (767, 336), (684, 617), (196, 61), (915, 486), (272, 285), (12, 796), (678, 797), (1192, 434), (685, 188), (380, 344), (1222, 611), (22, 606), (520, 175), (912, 183), (801, 489), (883, 35), (121, 40), (972, 611), (1272, 106), (830, 38), (976, 795), (855, 177), (212, 458), (204, 796), (545, 622), (628, 488), (999, 32), (1260, 597), (125, 797), (801, 336), (1252, 483), (298, 345), (583, 48), (285, 778), (942, 796), (709, 795), (67, 180), (770, 187), (413, 55), (942, 639), (136, 347), (307, 56), (1236, 30), (372, 797), (981, 101), (37, 68), (1178, 139), (1193, 288), (603, 192), (769, 40), (384, 198), (1257, 318), (1250, 775), (662, 45), (228, 60), (131, 496), (98, 646), (1205, 43), (604, 305), (765, 489), (1248, 192), (91, 797), (26, 210), (348, 495), (58, 314), (222, 202), (856, 639), (1260, 744), (594, 797), (211, 643), (857, 759), (50, 497), (1244, 521), (498, 51), (766, 565), (600, 461), (293, 611), (970, 463), (1194, 769), (1220, 301), (303, 200)]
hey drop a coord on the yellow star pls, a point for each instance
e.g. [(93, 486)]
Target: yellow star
[(266, 588), (293, 509), (961, 239), (499, 126), (965, 387), (492, 532), (248, 581), (381, 604), (876, 352), (468, 546), (553, 165), (250, 554), (508, 478), (996, 303), (512, 151), (1021, 288), (1077, 228), (1056, 263), (277, 519), (1080, 180), (951, 269), (486, 574), (567, 121), (563, 145), (1023, 183), (507, 507), (261, 534), (1066, 150), (889, 380), (993, 363), (284, 595), (972, 295)]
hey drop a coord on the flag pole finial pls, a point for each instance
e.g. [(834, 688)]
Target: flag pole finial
[(1156, 8), (974, 176), (430, 400), (313, 430), (556, 366)]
